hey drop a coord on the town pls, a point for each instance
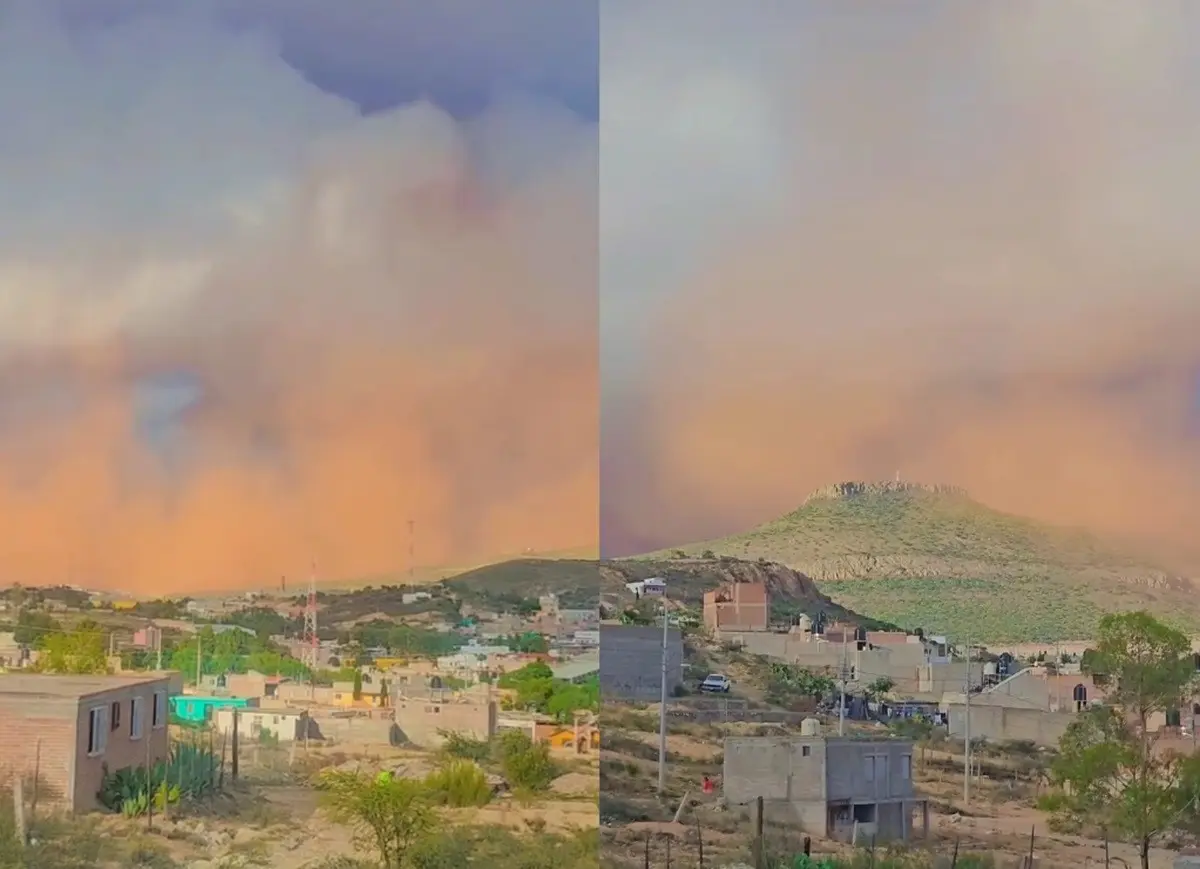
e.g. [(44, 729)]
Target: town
[(810, 736), (270, 696)]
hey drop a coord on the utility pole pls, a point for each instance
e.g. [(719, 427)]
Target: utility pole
[(842, 700), (967, 732), (662, 711), (158, 648)]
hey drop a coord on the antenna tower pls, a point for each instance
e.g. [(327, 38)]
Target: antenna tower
[(310, 622)]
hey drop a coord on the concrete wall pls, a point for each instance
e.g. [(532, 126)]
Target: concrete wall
[(1002, 724), (631, 661), (296, 692), (288, 726), (847, 763), (246, 684), (422, 722), (791, 783), (361, 730), (798, 777), (39, 732)]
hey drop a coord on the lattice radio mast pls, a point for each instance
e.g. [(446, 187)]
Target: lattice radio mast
[(310, 623)]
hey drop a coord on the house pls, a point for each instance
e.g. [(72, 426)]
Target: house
[(286, 725), (1033, 705), (839, 788), (652, 587), (194, 709), (68, 729), (738, 606), (631, 662), (918, 666), (425, 722), (148, 637), (581, 740)]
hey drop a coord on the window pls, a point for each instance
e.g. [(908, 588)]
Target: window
[(115, 717), (905, 766), (97, 730), (805, 750), (135, 718), (869, 767), (159, 712)]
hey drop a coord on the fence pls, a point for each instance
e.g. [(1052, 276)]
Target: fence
[(728, 839), (701, 849)]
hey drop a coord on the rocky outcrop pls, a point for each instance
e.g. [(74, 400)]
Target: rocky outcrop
[(855, 489)]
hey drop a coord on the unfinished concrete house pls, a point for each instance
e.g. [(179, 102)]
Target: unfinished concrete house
[(840, 788), (738, 606)]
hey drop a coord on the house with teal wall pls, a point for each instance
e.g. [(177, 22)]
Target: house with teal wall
[(197, 710)]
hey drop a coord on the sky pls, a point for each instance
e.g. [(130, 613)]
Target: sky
[(953, 242), (278, 276)]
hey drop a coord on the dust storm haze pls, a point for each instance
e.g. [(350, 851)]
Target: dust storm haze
[(244, 326), (955, 243)]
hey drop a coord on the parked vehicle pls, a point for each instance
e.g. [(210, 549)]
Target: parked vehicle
[(715, 683)]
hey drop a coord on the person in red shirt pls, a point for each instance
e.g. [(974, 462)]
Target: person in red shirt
[(708, 785)]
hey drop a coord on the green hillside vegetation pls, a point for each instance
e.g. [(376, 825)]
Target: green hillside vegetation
[(931, 557)]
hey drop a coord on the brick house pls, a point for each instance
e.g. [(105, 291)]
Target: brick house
[(67, 729), (739, 606)]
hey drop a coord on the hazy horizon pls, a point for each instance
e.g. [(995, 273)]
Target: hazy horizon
[(953, 244), (278, 277)]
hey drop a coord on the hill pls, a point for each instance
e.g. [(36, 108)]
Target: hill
[(687, 579), (584, 583), (931, 557)]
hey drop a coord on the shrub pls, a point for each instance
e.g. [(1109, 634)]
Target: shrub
[(458, 784), (525, 764)]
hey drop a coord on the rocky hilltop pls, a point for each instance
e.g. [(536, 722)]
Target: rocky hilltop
[(929, 556)]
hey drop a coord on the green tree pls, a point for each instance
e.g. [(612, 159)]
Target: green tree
[(83, 651), (357, 684), (389, 815), (1108, 766), (881, 686), (525, 763), (33, 628)]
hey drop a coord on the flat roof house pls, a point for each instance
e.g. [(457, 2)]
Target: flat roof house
[(67, 729), (834, 787)]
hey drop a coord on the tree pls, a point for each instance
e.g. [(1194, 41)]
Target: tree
[(79, 652), (881, 686), (383, 693), (1108, 765), (357, 684), (389, 815)]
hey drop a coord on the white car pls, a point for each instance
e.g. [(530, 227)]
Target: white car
[(715, 683)]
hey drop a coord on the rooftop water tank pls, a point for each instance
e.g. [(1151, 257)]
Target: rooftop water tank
[(810, 727)]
